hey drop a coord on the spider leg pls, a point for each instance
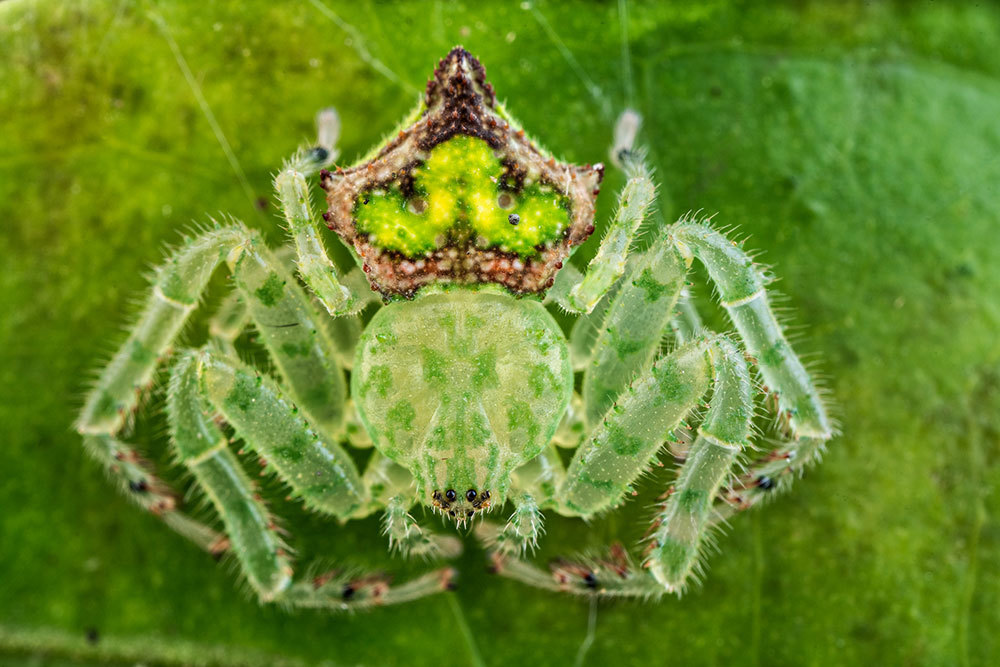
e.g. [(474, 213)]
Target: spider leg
[(269, 296), (203, 449), (114, 398), (614, 574), (291, 329), (314, 265), (228, 322), (686, 323), (345, 331), (630, 334), (253, 534), (621, 448), (533, 487), (409, 538), (521, 532), (599, 475), (581, 293), (741, 289), (627, 440), (313, 464)]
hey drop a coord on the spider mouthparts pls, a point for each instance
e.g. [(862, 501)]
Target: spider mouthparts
[(461, 506)]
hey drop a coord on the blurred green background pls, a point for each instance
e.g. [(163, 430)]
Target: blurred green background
[(856, 143)]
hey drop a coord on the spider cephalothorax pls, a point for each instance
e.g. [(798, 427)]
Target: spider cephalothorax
[(462, 195), (461, 379)]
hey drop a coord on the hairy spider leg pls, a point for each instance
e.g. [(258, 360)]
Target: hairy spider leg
[(616, 340), (114, 398), (617, 344), (609, 263), (580, 293), (232, 317), (534, 486), (178, 285), (392, 488), (316, 268), (408, 537), (628, 440), (205, 382), (741, 288), (631, 332), (312, 370)]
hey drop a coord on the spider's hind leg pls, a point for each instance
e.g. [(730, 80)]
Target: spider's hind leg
[(314, 265), (580, 293)]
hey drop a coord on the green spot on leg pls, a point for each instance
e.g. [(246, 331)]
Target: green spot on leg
[(272, 290), (675, 556), (806, 409), (243, 392), (692, 499), (622, 443), (670, 381), (605, 485), (653, 288), (625, 347), (139, 353), (296, 349), (107, 404), (774, 355), (291, 453)]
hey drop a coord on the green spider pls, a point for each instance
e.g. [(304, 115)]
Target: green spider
[(461, 380)]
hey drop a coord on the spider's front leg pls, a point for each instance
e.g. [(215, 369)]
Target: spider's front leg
[(626, 443), (316, 468)]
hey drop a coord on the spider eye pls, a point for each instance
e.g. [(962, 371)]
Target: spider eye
[(470, 495), (506, 201), (450, 494)]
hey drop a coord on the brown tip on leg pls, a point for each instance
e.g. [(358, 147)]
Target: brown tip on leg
[(219, 548), (449, 577)]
